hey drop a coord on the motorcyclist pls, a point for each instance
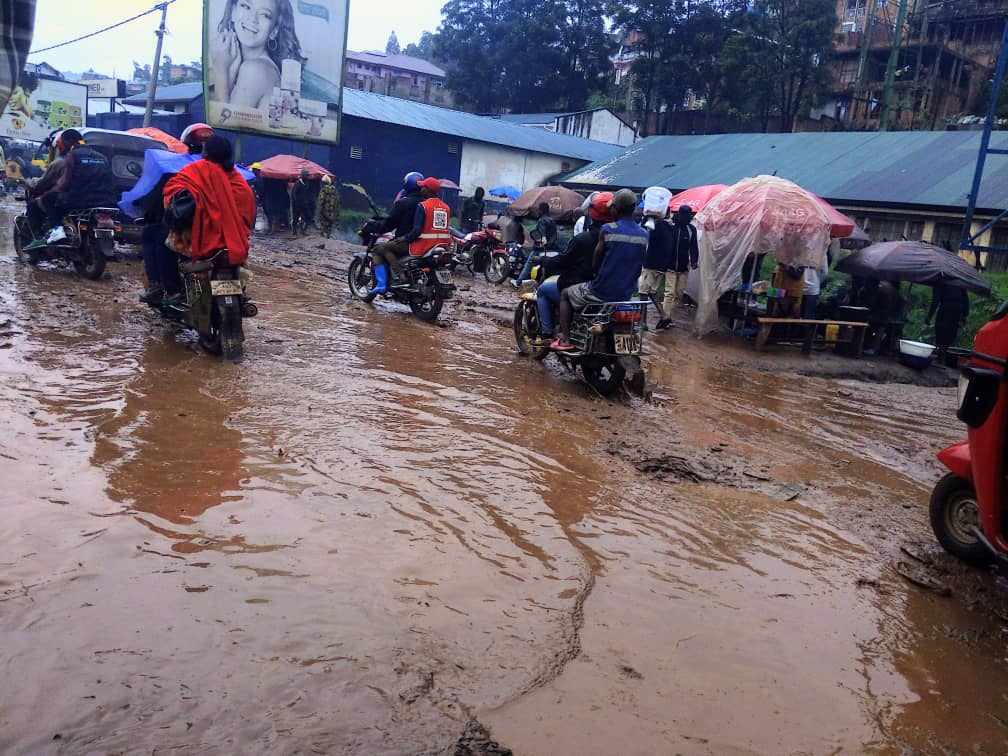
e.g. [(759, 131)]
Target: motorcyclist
[(431, 222), (194, 136), (87, 181), (40, 186), (400, 221), (545, 237), (572, 266)]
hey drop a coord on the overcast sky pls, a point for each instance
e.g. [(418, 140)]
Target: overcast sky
[(60, 20)]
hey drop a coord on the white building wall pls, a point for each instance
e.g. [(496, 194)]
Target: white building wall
[(490, 165), (600, 125)]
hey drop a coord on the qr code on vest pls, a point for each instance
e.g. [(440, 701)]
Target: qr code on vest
[(440, 219)]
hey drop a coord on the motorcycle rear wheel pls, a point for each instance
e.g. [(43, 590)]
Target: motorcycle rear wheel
[(91, 263), (526, 328), (426, 308), (497, 269), (604, 374), (360, 277), (22, 237)]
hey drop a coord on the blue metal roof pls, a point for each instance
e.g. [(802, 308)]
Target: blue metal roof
[(417, 115), (170, 93), (927, 168), (526, 118)]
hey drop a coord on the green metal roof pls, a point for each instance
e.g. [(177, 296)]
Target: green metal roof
[(925, 168)]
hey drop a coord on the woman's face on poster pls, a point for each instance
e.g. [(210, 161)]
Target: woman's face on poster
[(254, 21)]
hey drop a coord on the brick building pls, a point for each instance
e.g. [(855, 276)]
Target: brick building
[(401, 76)]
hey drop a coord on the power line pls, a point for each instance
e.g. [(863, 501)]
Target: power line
[(102, 31)]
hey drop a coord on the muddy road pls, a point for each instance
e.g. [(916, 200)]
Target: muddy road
[(374, 532)]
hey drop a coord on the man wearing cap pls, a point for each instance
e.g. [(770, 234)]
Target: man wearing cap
[(257, 189), (685, 255), (327, 207), (619, 259)]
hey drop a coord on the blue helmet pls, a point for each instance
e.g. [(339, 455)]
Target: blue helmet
[(412, 180)]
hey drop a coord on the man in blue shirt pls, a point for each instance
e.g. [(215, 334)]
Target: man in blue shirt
[(619, 258)]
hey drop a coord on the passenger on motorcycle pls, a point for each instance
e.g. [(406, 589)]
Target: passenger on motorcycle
[(48, 181), (618, 260), (224, 205), (87, 181), (572, 266), (400, 220), (545, 237)]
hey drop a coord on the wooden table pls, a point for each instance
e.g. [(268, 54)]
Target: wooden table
[(849, 332)]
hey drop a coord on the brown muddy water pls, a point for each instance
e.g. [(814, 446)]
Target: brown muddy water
[(373, 531)]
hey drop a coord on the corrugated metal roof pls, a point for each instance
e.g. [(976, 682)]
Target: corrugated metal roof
[(172, 93), (469, 126), (403, 62), (930, 168), (537, 118)]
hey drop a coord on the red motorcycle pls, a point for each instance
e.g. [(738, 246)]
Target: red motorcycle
[(473, 250), (969, 506)]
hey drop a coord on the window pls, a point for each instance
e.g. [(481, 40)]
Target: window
[(356, 152), (947, 232), (438, 84), (565, 166), (888, 230), (915, 230), (453, 148)]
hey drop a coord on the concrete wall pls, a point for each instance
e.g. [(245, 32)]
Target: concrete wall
[(490, 165), (600, 125)]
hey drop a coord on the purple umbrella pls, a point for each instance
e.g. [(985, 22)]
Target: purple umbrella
[(917, 262)]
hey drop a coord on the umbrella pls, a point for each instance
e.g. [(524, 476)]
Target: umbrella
[(287, 167), (166, 139), (561, 200), (505, 191), (840, 224), (914, 261), (697, 197), (448, 184), (857, 239)]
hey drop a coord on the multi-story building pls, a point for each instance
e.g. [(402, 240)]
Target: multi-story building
[(400, 76), (947, 53)]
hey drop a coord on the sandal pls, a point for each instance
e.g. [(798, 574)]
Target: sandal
[(556, 346)]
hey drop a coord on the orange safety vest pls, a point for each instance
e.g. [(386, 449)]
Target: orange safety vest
[(435, 227)]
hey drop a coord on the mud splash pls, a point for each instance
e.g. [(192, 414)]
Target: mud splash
[(375, 532)]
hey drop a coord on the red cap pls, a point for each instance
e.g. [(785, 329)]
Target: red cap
[(430, 183), (599, 210)]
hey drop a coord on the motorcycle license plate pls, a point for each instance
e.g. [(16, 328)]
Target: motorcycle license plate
[(627, 343), (444, 276), (225, 288), (104, 232)]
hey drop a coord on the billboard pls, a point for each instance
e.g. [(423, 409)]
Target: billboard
[(40, 105), (102, 88), (275, 67)]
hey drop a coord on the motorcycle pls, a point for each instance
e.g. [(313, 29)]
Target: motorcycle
[(969, 505), (607, 338), (88, 244), (427, 281), (473, 250), (508, 262), (215, 301)]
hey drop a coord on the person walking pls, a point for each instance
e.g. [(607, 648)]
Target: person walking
[(685, 256), (951, 303), (302, 207), (327, 207), (471, 217)]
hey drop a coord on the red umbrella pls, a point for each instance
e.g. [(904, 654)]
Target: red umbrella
[(448, 184), (289, 167), (840, 224), (696, 197)]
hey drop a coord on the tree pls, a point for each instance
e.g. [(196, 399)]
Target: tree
[(424, 48), (392, 46)]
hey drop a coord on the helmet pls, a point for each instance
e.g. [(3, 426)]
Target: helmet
[(255, 166), (599, 210), (196, 134), (411, 181)]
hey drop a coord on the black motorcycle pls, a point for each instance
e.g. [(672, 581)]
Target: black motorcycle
[(88, 244), (427, 280)]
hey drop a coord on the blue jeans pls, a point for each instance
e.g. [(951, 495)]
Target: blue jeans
[(526, 270), (160, 263), (547, 300)]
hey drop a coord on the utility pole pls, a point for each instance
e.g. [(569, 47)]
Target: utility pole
[(891, 68), (866, 40), (152, 87)]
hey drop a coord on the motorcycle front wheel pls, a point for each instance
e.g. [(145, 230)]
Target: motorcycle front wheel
[(361, 279), (497, 269), (90, 261), (22, 237), (526, 328)]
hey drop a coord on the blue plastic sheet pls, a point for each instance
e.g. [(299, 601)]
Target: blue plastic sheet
[(157, 165)]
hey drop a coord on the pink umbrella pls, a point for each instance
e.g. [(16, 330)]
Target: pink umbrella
[(448, 184), (697, 197), (840, 224)]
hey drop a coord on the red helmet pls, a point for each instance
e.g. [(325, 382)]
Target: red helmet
[(196, 134), (599, 210)]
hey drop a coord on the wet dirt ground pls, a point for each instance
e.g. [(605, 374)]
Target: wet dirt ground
[(376, 535)]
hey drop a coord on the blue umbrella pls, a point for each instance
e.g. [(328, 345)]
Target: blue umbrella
[(505, 191), (159, 164)]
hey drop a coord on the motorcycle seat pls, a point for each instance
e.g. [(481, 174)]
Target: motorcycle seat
[(197, 266), (456, 234)]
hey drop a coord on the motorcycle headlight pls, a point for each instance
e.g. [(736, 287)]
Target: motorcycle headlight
[(961, 391)]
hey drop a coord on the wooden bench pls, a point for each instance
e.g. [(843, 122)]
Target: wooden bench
[(850, 332)]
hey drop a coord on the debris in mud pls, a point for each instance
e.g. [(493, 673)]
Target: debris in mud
[(476, 741), (908, 572), (627, 671), (426, 684)]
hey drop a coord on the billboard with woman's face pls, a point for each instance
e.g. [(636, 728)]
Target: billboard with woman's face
[(275, 67)]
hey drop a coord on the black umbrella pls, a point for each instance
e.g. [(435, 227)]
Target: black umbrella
[(917, 262)]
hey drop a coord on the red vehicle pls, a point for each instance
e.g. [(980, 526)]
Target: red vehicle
[(969, 506), (473, 250)]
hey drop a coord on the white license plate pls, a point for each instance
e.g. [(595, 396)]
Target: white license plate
[(444, 276), (225, 288), (104, 232), (628, 343)]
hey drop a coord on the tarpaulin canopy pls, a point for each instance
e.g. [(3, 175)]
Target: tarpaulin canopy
[(158, 166), (762, 214), (166, 139), (511, 192), (561, 200), (289, 167), (918, 262)]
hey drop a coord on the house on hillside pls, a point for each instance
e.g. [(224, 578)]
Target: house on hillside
[(896, 185), (600, 124), (397, 75)]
